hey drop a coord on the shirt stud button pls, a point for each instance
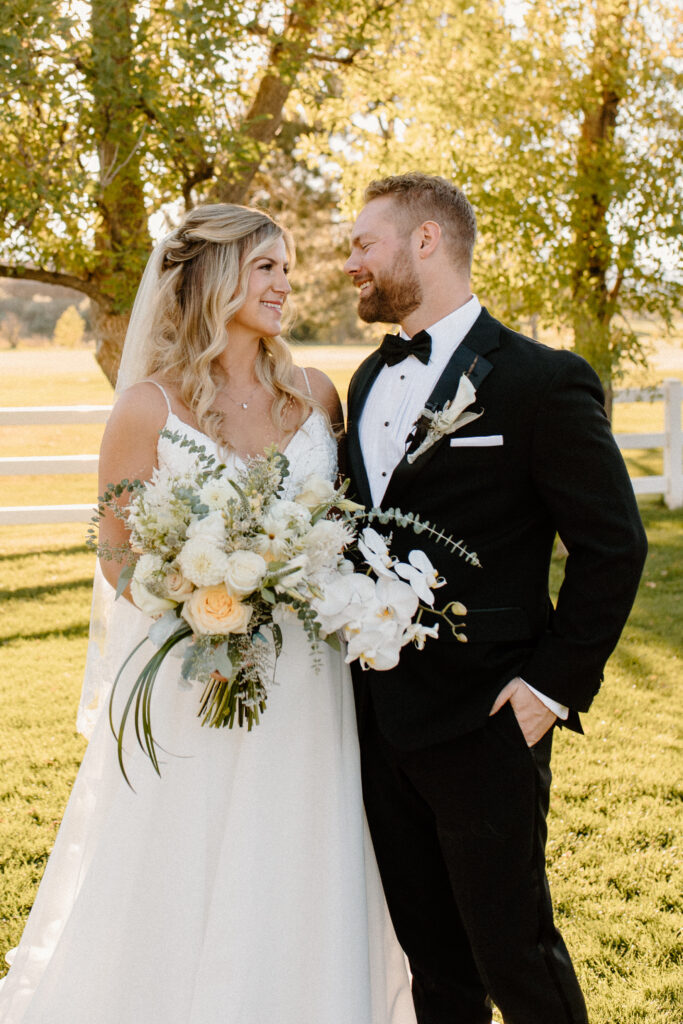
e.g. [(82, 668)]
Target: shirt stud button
[(386, 423), (384, 474)]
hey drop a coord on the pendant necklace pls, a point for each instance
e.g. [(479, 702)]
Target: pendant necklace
[(243, 404)]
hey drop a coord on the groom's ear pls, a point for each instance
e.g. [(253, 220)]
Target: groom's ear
[(428, 238)]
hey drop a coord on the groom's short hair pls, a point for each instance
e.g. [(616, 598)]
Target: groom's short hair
[(421, 197)]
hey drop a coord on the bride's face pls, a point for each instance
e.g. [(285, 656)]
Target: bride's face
[(261, 314)]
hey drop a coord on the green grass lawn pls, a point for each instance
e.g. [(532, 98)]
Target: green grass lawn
[(615, 826)]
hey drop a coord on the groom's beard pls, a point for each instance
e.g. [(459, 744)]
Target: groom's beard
[(393, 297)]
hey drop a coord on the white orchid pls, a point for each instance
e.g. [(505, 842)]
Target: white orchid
[(395, 600), (344, 601), (375, 551), (418, 634), (378, 649), (421, 575), (449, 419)]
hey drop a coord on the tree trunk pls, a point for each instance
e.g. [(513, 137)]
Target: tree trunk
[(122, 241), (593, 304), (287, 57), (110, 331)]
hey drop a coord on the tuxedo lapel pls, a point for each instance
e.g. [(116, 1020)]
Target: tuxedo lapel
[(469, 358), (358, 394)]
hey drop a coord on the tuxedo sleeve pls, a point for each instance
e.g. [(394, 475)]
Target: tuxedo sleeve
[(580, 475)]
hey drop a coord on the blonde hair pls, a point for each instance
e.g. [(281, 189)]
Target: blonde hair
[(422, 197), (204, 277)]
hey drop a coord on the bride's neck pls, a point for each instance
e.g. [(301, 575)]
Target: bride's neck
[(238, 360)]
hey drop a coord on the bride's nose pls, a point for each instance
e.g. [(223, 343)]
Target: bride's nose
[(282, 285)]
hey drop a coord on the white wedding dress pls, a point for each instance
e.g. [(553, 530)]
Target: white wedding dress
[(238, 888)]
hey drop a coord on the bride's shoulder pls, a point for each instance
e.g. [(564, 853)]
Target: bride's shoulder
[(324, 392), (141, 410)]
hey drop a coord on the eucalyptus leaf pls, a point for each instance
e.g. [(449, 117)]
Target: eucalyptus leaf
[(164, 627), (124, 579), (224, 665)]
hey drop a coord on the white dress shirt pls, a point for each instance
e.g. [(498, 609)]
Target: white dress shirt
[(398, 396)]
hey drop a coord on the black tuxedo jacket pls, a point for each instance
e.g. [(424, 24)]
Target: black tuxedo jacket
[(557, 470)]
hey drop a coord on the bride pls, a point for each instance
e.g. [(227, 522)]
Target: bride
[(240, 886)]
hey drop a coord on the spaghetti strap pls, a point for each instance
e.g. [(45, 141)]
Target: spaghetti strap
[(157, 384), (308, 384)]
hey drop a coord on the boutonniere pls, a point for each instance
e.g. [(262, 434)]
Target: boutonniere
[(436, 423)]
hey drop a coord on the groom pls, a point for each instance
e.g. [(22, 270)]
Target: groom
[(456, 740)]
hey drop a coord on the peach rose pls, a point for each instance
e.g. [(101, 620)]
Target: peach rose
[(216, 610)]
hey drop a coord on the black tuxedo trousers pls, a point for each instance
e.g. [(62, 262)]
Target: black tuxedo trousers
[(456, 801)]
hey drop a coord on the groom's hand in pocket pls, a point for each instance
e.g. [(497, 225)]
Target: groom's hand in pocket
[(533, 716)]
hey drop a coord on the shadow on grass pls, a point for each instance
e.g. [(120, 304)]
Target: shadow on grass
[(27, 556), (28, 593), (80, 629)]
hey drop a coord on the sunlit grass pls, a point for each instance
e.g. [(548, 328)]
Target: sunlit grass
[(614, 844)]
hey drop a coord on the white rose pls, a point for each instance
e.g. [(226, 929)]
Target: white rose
[(177, 587), (148, 602), (202, 562), (216, 493), (211, 527), (244, 572), (147, 568), (315, 491), (295, 516), (214, 610)]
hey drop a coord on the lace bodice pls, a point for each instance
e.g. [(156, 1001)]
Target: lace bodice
[(312, 449)]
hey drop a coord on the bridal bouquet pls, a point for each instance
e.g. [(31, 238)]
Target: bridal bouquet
[(219, 558)]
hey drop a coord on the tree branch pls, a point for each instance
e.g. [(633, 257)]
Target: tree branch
[(79, 284), (330, 58)]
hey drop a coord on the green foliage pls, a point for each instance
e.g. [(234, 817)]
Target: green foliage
[(69, 329), (562, 126)]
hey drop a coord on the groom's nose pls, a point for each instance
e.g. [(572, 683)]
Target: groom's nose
[(351, 266)]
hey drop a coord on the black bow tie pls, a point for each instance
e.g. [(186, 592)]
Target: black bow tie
[(394, 348)]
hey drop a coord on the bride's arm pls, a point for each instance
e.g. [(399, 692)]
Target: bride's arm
[(128, 452)]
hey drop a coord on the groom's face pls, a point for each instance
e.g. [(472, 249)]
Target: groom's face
[(381, 264)]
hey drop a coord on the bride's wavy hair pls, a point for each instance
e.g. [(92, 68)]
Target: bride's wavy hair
[(203, 281)]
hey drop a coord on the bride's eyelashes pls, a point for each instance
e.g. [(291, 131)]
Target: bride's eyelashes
[(270, 266)]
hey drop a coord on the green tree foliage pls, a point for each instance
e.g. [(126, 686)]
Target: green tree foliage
[(562, 122), (115, 110), (69, 329)]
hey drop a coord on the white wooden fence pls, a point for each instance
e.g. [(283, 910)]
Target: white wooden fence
[(669, 484)]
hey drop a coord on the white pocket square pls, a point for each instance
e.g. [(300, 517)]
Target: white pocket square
[(485, 441)]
